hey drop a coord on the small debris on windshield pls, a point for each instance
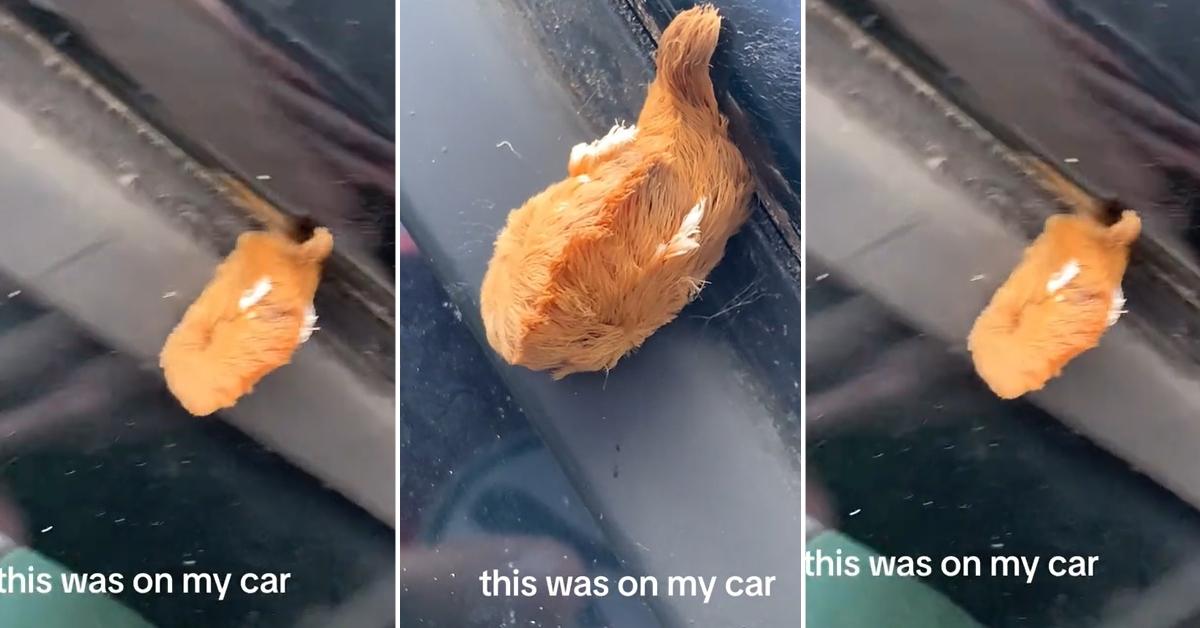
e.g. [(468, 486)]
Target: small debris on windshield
[(507, 144)]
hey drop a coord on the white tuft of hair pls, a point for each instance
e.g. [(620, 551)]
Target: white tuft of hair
[(1117, 308), (310, 323), (1069, 271), (617, 136), (255, 294), (687, 239)]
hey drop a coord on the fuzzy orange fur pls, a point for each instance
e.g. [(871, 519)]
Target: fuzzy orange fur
[(1029, 331), (589, 268), (234, 333)]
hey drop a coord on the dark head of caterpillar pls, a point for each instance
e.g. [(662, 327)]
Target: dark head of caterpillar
[(1109, 210), (302, 228)]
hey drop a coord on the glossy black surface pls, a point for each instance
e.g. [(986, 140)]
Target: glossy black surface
[(1108, 89), (102, 471), (910, 454), (109, 233), (686, 453), (295, 99), (915, 217), (759, 59), (479, 489)]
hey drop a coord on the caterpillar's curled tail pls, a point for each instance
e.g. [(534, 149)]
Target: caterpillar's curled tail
[(684, 52)]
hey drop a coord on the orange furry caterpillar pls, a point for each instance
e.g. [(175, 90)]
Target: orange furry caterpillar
[(248, 321), (1055, 305), (589, 268)]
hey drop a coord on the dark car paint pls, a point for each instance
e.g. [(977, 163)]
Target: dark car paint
[(296, 99), (686, 453), (759, 61), (916, 213), (289, 111), (102, 470), (1107, 89), (329, 155)]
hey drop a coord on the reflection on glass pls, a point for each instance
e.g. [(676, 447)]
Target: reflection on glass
[(480, 493)]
